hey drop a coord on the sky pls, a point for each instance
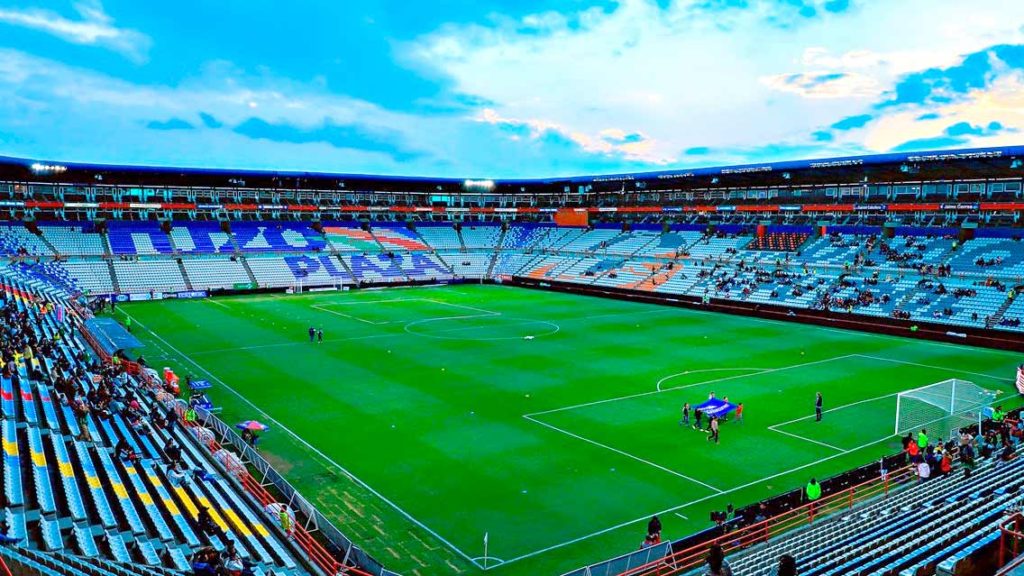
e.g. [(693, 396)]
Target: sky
[(504, 88)]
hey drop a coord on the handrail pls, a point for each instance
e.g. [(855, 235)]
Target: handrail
[(3, 565), (690, 558), (1009, 542), (315, 551)]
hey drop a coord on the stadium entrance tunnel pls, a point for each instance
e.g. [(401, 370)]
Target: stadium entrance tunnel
[(482, 328)]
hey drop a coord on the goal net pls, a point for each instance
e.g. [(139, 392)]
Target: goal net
[(943, 407)]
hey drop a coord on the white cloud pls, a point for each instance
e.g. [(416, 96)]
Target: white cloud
[(825, 84), (1002, 102), (93, 27), (728, 81), (609, 141)]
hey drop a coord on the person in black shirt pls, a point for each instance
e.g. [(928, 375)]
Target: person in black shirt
[(817, 407)]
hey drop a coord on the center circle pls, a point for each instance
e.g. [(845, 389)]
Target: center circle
[(481, 328)]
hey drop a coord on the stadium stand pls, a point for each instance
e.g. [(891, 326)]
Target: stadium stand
[(208, 273), (106, 484), (16, 240), (137, 238), (481, 236), (200, 238), (75, 504), (74, 240), (442, 236)]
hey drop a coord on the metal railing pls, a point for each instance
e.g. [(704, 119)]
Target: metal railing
[(682, 561)]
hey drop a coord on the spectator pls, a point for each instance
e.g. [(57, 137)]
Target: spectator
[(654, 528), (923, 470), (176, 475), (785, 567), (813, 490), (717, 566), (286, 521), (207, 525)]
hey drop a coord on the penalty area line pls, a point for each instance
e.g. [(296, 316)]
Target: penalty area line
[(704, 370), (624, 453)]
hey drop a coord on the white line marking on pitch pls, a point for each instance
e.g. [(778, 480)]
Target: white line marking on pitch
[(349, 316), (623, 453), (682, 516), (673, 509), (947, 369), (671, 376), (304, 443), (799, 437), (694, 384)]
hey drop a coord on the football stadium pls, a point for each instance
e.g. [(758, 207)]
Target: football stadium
[(404, 290)]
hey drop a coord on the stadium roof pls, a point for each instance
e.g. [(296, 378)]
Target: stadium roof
[(964, 164)]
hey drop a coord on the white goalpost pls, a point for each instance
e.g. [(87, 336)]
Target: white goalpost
[(944, 406)]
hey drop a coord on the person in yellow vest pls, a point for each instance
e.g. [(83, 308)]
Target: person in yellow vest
[(190, 415), (286, 521), (813, 491)]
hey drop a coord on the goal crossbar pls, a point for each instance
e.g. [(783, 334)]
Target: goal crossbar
[(953, 402)]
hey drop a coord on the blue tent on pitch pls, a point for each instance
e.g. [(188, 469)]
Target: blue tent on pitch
[(716, 407)]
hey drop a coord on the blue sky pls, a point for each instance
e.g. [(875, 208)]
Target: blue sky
[(504, 88)]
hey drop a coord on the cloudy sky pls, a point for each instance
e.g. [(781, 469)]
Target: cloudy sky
[(504, 88)]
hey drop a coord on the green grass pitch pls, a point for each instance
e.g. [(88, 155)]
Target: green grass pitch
[(427, 418)]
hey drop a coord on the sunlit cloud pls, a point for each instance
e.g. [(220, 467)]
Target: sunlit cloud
[(93, 27)]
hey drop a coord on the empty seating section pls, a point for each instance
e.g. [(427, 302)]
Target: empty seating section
[(277, 237), (15, 239), (399, 238), (557, 237), (523, 236), (207, 272), (423, 266), (508, 264), (142, 238), (588, 241), (144, 275), (306, 269), (90, 275), (77, 507), (472, 265), (349, 237), (481, 235), (629, 244), (200, 238), (671, 244), (74, 240), (442, 237)]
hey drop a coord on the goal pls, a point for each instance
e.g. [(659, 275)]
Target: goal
[(944, 407)]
